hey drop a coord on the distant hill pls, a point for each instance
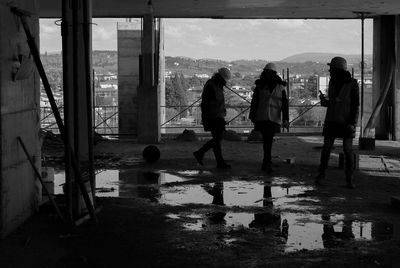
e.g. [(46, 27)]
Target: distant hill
[(304, 64), (326, 57)]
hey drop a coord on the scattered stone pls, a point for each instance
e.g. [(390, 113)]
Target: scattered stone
[(187, 135), (151, 153)]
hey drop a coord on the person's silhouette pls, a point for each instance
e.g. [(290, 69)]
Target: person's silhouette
[(217, 192)]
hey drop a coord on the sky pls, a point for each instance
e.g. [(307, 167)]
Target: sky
[(234, 39)]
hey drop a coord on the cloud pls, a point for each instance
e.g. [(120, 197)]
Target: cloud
[(209, 41), (103, 33), (173, 31), (254, 22), (289, 24)]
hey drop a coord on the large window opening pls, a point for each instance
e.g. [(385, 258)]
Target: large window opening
[(301, 49), (195, 48)]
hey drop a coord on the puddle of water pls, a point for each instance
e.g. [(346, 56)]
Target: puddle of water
[(133, 183), (194, 172), (232, 193), (297, 231), (125, 183), (325, 231)]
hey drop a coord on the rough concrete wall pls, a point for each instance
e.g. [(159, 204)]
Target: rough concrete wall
[(19, 190), (129, 49), (384, 32)]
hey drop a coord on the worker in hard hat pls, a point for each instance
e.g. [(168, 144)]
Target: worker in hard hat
[(269, 109), (213, 114), (343, 103)]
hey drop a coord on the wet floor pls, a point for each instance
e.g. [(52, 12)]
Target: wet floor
[(270, 199), (293, 231)]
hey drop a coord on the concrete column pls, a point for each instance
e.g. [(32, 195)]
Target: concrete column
[(129, 51), (161, 74), (149, 102), (141, 82), (20, 191), (77, 99), (396, 92), (384, 50)]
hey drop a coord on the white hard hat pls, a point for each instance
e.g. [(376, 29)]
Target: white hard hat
[(270, 66), (339, 63), (225, 73)]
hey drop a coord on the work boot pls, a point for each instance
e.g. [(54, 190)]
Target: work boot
[(199, 157), (320, 177), (266, 167), (350, 182)]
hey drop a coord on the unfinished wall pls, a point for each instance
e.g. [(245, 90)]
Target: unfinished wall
[(129, 49), (20, 116), (384, 52)]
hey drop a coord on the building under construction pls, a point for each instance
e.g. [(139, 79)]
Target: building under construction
[(117, 209)]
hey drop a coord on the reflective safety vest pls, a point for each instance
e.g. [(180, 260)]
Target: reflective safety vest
[(339, 106), (270, 104)]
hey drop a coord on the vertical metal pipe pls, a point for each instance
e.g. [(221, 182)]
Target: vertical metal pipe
[(75, 60), (288, 83), (362, 75), (87, 23), (67, 120)]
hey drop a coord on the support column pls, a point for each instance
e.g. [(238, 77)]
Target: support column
[(136, 115), (396, 92), (129, 50), (149, 102), (384, 51), (77, 79), (161, 73)]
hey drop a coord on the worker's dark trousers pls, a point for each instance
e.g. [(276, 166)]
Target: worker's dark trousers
[(215, 144), (268, 134), (348, 155)]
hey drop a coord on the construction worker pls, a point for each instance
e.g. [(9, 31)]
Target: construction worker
[(268, 103), (343, 103), (213, 114)]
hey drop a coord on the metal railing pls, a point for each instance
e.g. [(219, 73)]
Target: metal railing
[(105, 119), (303, 118)]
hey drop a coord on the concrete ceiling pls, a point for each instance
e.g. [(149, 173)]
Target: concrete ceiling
[(253, 9)]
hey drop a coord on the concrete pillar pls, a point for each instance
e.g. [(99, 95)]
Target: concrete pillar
[(20, 116), (396, 92), (384, 50), (129, 50), (140, 93), (149, 102), (77, 98), (161, 73)]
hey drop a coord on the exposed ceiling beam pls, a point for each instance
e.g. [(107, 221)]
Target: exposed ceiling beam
[(229, 9)]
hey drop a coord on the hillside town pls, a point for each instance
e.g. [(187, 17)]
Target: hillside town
[(184, 80)]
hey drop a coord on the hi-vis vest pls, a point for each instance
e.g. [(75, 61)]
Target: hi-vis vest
[(270, 104), (339, 107)]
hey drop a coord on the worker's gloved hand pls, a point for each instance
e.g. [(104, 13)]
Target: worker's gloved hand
[(285, 124)]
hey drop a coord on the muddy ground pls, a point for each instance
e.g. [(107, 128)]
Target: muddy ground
[(175, 213)]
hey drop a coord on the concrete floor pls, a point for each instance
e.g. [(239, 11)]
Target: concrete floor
[(175, 213)]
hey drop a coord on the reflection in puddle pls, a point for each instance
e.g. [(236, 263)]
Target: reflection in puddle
[(194, 172), (132, 183), (294, 231), (125, 183), (233, 193)]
